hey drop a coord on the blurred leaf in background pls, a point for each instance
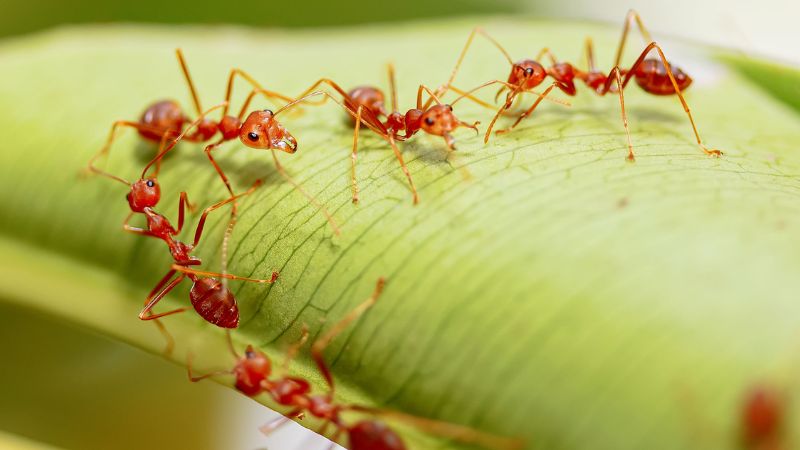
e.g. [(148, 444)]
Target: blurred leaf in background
[(26, 16)]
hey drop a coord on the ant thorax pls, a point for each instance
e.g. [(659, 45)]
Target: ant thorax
[(260, 130), (160, 227), (369, 98), (527, 73)]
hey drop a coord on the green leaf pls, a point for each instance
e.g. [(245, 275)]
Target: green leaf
[(558, 294)]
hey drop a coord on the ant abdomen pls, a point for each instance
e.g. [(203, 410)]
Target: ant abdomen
[(652, 76), (374, 435), (368, 97), (165, 116), (214, 302)]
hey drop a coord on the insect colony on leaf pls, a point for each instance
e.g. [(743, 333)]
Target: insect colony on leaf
[(164, 122)]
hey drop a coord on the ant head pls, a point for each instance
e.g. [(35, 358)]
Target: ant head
[(144, 193), (437, 120), (369, 97), (251, 369), (527, 73), (762, 415), (374, 435), (261, 130)]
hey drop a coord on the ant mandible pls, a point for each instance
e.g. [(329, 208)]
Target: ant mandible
[(366, 105), (655, 76), (253, 377)]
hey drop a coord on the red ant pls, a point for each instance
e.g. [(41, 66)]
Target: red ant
[(253, 371), (366, 105), (655, 76), (209, 297), (762, 418), (164, 120)]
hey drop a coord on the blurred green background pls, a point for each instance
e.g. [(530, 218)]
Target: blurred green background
[(22, 17)]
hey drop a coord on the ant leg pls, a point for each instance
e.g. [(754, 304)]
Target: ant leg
[(161, 328), (132, 229), (392, 86), (616, 73), (151, 301), (631, 17), (330, 83), (546, 52), (293, 349), (589, 51), (468, 95), (321, 343), (188, 77), (354, 154), (112, 135), (431, 95), (445, 429), (209, 148), (530, 110), (512, 95), (441, 90), (190, 271), (270, 427), (311, 199), (195, 378), (198, 232), (399, 156), (631, 72), (183, 203)]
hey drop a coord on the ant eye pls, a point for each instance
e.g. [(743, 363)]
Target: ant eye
[(429, 120), (150, 183), (252, 136), (529, 71), (268, 111), (450, 107)]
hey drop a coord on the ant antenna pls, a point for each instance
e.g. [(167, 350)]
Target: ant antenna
[(185, 69)]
